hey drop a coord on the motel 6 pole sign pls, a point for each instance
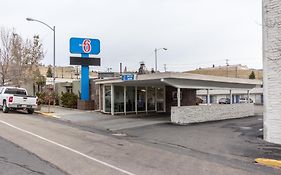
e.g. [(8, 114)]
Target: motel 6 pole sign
[(85, 47)]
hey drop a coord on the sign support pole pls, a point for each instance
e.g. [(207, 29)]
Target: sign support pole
[(85, 80)]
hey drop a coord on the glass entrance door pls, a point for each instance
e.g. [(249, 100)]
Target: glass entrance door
[(141, 91), (160, 99), (151, 98)]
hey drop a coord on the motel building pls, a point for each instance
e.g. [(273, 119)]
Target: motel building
[(171, 93)]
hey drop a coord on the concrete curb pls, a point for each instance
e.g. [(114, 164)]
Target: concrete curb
[(47, 114), (269, 162)]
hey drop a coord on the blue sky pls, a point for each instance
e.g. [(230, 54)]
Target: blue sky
[(197, 33)]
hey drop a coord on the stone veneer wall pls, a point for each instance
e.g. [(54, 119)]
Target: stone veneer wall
[(272, 70), (204, 113), (94, 94)]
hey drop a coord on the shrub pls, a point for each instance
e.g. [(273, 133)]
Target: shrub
[(47, 97), (69, 100)]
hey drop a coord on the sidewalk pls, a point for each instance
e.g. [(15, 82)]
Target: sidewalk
[(103, 121)]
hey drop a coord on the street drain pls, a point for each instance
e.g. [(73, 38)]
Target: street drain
[(119, 134)]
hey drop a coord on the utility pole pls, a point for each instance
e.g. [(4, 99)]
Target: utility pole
[(227, 66), (61, 72), (165, 67), (54, 51), (155, 55)]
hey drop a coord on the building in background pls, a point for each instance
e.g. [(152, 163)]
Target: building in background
[(67, 72)]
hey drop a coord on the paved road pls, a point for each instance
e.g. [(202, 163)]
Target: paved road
[(16, 161), (78, 151)]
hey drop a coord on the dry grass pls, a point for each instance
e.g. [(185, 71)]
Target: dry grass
[(235, 72)]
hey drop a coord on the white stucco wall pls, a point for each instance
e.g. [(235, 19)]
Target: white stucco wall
[(272, 70), (203, 113)]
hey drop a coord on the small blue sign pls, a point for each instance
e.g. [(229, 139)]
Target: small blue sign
[(84, 46), (128, 77)]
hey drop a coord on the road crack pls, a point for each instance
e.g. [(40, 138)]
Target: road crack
[(5, 160)]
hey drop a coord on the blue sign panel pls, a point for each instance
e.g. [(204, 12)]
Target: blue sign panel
[(128, 77), (84, 46)]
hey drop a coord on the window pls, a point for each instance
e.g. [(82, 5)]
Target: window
[(107, 98), (130, 99), (118, 99), (150, 98), (141, 98), (160, 99), (15, 91), (69, 89)]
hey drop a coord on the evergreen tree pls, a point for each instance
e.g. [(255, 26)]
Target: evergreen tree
[(49, 72), (252, 75)]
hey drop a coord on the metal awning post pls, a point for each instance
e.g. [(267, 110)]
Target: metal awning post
[(230, 93), (99, 97), (155, 99), (146, 99), (136, 99), (103, 98), (125, 100), (179, 97), (248, 96), (208, 96), (164, 98), (112, 100)]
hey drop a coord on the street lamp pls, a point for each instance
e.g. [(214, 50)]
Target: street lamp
[(155, 51), (54, 51)]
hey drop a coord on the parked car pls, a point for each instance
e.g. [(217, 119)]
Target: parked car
[(244, 100), (224, 101), (13, 98)]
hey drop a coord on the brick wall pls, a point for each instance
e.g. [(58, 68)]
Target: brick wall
[(188, 97), (204, 113), (272, 70)]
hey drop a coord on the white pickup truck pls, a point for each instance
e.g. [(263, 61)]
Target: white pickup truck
[(13, 98)]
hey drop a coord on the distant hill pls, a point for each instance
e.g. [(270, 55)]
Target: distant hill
[(234, 71)]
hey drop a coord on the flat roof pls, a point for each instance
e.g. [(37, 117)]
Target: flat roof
[(185, 80)]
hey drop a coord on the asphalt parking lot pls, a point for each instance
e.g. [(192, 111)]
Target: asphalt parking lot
[(237, 140), (231, 145)]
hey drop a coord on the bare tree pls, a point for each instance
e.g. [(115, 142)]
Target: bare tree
[(18, 66), (19, 58), (5, 56), (26, 57)]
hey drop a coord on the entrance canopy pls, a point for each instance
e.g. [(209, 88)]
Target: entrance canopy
[(186, 81), (158, 92)]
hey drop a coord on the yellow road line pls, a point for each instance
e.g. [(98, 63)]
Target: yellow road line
[(269, 162)]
